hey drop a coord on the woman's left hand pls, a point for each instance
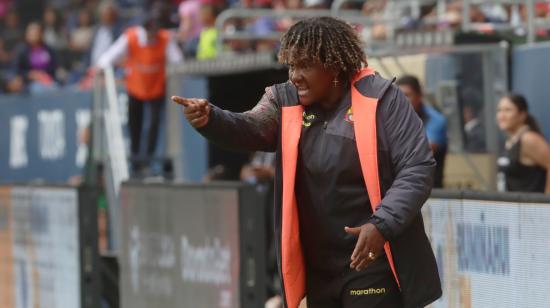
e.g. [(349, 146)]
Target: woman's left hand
[(370, 243)]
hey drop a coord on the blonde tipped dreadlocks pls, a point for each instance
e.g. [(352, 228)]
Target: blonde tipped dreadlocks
[(325, 40)]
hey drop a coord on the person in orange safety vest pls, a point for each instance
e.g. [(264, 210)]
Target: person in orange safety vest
[(147, 50)]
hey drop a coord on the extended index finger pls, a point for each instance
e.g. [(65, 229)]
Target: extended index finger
[(182, 101)]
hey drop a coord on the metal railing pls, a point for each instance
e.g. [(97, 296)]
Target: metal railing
[(530, 24), (227, 15), (391, 20), (108, 144)]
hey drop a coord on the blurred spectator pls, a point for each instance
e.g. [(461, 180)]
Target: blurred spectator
[(5, 56), (102, 37), (243, 4), (106, 32), (148, 49), (518, 18), (35, 63), (284, 24), (10, 34), (4, 7), (81, 37), (167, 19), (482, 22), (376, 11), (29, 10), (435, 123), (472, 116), (55, 34), (175, 3), (526, 161), (207, 48), (453, 16), (258, 27), (474, 130), (126, 4), (190, 26), (14, 84), (316, 4), (542, 11), (3, 85), (234, 25), (261, 169), (263, 26), (217, 173), (477, 15), (496, 13)]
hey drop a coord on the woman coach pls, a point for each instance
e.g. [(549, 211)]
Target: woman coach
[(353, 171)]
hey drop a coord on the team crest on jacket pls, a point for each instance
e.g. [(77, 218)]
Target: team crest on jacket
[(349, 116)]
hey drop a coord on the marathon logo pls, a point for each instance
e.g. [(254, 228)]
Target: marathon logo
[(307, 119), (369, 291)]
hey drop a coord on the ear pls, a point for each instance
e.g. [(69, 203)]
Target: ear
[(337, 74)]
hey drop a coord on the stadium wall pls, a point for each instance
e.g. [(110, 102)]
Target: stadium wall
[(492, 250), (48, 247)]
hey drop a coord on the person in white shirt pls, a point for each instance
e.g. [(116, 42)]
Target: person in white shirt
[(105, 33)]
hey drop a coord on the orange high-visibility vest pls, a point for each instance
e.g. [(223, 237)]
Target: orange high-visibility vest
[(146, 66), (364, 114)]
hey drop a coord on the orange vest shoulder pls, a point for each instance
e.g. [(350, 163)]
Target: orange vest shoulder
[(145, 66)]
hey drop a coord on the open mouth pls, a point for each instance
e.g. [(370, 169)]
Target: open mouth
[(303, 92)]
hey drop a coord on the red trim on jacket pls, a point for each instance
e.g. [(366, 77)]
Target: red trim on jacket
[(364, 114), (292, 258)]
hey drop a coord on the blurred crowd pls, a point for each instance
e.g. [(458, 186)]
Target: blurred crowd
[(488, 18), (47, 44)]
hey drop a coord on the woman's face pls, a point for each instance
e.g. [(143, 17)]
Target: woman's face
[(294, 4), (84, 19), (313, 82), (50, 17), (509, 118), (34, 34), (11, 20), (109, 15)]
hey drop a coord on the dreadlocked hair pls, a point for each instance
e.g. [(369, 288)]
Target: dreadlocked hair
[(326, 40)]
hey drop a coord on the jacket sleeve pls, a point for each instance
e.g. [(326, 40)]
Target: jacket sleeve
[(413, 165), (253, 130)]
